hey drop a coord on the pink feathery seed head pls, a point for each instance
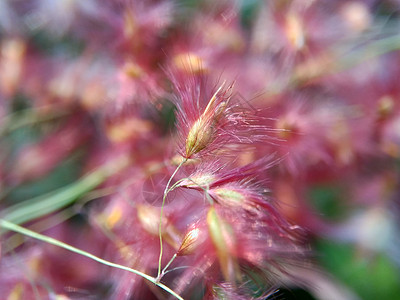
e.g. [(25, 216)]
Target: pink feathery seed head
[(301, 128), (226, 239), (213, 174), (240, 196), (262, 241), (203, 131), (235, 240), (252, 200), (200, 120), (194, 238), (225, 244), (211, 120)]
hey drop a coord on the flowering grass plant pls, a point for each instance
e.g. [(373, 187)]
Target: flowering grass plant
[(199, 149)]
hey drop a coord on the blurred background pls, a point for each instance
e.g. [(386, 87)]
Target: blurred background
[(87, 120)]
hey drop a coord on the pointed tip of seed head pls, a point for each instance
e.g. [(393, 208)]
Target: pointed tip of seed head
[(190, 242), (202, 132)]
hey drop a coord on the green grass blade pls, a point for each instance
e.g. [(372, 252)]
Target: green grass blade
[(14, 227), (53, 201)]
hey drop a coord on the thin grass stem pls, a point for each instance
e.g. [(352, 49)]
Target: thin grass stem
[(16, 228), (165, 268), (161, 214)]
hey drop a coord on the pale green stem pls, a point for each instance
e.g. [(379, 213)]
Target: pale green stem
[(15, 240), (165, 268), (160, 275), (13, 227), (161, 214), (175, 185)]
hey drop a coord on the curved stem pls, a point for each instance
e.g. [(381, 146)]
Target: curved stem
[(161, 214), (205, 190), (165, 268), (13, 227), (175, 185)]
